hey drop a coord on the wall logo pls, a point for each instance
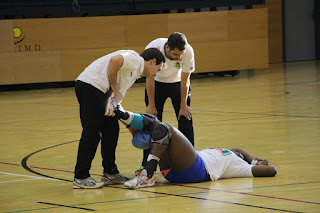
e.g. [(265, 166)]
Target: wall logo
[(17, 34), (19, 37)]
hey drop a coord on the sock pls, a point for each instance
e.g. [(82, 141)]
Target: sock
[(152, 163)]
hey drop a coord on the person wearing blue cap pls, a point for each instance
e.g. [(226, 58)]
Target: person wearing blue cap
[(178, 160)]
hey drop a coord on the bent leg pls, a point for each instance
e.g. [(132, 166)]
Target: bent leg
[(184, 125), (180, 154), (160, 99)]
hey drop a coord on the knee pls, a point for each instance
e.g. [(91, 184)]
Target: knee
[(183, 121)]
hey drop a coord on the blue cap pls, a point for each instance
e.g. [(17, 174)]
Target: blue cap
[(141, 140)]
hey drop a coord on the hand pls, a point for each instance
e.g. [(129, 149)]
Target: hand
[(261, 161), (152, 110), (111, 105), (185, 111)]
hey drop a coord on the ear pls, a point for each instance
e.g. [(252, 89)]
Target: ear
[(153, 61), (166, 47)]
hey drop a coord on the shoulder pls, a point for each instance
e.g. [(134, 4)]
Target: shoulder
[(131, 57), (189, 54), (189, 50), (157, 42), (130, 54)]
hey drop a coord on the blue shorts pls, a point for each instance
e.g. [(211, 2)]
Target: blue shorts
[(194, 174)]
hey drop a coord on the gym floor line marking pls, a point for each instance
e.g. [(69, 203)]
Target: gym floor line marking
[(234, 119), (287, 184), (9, 181), (264, 196), (257, 113), (206, 199), (34, 177), (81, 204), (60, 205)]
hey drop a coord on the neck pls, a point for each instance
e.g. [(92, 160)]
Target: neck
[(145, 68), (165, 52)]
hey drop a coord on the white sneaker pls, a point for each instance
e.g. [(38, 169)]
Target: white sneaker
[(113, 179), (140, 181), (87, 183)]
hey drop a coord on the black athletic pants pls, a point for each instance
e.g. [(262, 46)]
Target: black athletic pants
[(96, 127), (172, 91)]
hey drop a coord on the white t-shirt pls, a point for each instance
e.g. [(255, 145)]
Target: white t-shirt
[(96, 73), (171, 73), (222, 163)]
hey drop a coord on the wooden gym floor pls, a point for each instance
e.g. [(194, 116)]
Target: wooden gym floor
[(273, 113)]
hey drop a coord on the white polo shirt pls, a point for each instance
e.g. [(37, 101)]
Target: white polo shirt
[(96, 73), (171, 73)]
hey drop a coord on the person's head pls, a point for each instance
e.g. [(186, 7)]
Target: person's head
[(154, 61), (175, 46)]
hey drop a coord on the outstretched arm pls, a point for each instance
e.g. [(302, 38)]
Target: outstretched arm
[(264, 171), (261, 168), (250, 158), (246, 155)]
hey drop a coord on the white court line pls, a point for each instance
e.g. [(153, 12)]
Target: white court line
[(9, 181), (34, 177)]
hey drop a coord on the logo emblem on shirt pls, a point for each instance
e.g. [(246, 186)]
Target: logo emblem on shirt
[(177, 65), (224, 152)]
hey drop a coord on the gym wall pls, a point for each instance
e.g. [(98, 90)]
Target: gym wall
[(59, 49)]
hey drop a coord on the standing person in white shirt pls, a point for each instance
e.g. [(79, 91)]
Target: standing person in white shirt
[(173, 81), (107, 78)]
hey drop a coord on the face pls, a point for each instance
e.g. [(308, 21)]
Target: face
[(173, 54), (153, 68)]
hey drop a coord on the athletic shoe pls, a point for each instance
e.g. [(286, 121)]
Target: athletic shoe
[(138, 172), (140, 181), (113, 179), (87, 183)]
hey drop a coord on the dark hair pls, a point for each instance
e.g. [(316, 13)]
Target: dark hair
[(152, 53), (177, 40)]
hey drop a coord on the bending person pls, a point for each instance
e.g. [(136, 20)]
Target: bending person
[(178, 160)]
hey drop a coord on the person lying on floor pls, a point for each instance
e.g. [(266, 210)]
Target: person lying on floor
[(179, 162)]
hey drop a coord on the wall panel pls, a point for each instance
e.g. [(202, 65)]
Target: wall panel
[(247, 24), (59, 49), (31, 67), (200, 27), (6, 36), (142, 29), (231, 55), (274, 29), (72, 33)]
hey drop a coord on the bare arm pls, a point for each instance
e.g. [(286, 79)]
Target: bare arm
[(185, 110), (261, 169), (249, 158), (150, 86), (114, 66)]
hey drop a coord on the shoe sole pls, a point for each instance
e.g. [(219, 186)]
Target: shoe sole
[(135, 187), (76, 186)]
